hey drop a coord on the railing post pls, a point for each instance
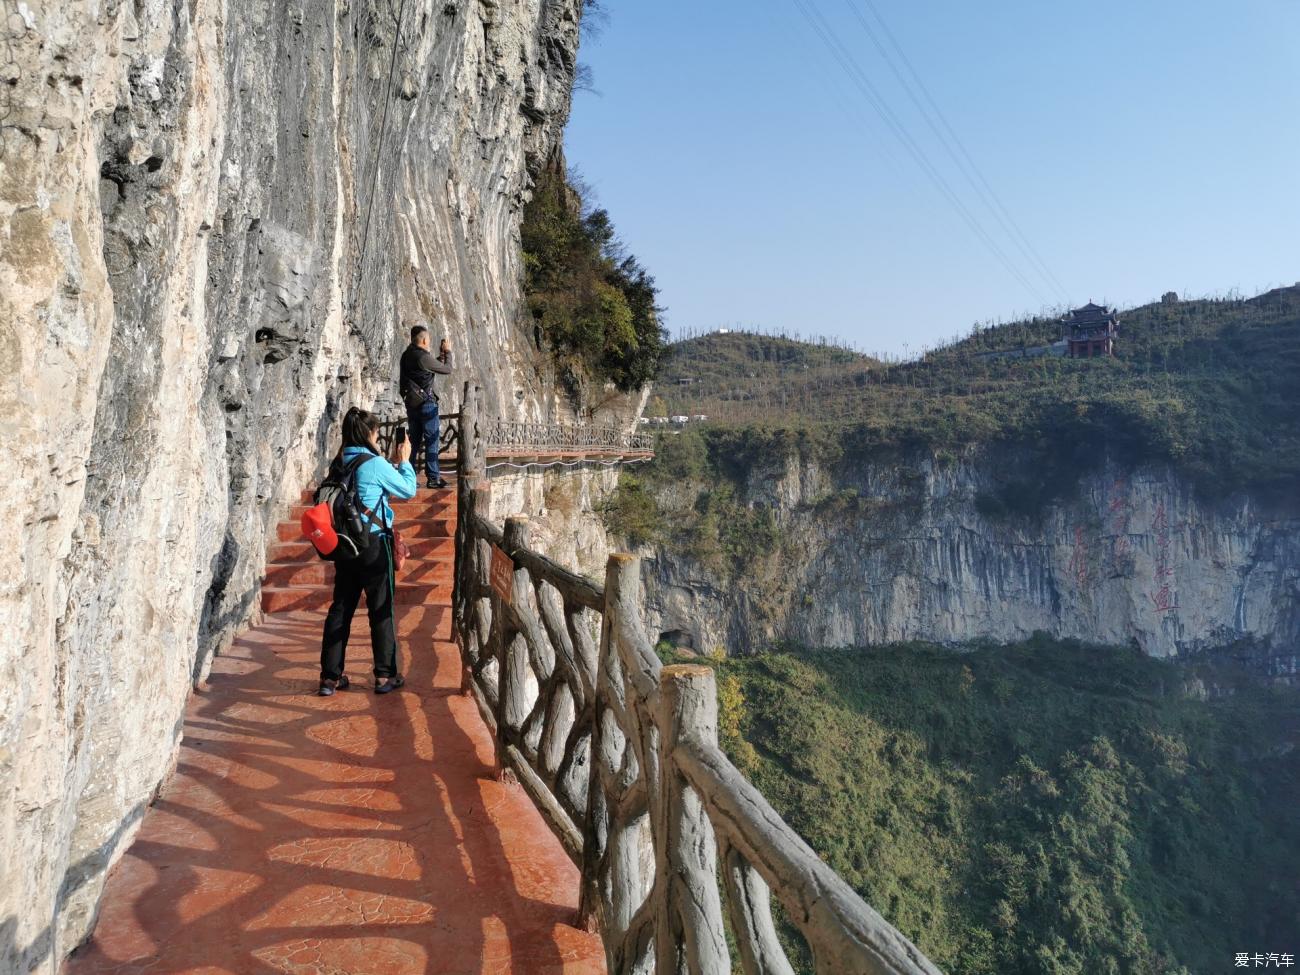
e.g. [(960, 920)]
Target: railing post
[(460, 567), (611, 855), (471, 433), (463, 462), (470, 501), (474, 497), (512, 664), (480, 430), (689, 933)]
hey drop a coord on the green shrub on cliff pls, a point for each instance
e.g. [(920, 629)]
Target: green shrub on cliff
[(1048, 807), (593, 305), (631, 512), (690, 498)]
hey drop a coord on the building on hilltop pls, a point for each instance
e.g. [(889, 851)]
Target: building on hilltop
[(1091, 331)]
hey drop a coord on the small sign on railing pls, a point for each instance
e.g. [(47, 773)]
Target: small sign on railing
[(502, 574)]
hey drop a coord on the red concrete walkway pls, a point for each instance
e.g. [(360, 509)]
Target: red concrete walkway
[(351, 835)]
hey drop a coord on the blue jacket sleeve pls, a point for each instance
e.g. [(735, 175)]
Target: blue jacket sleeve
[(397, 481)]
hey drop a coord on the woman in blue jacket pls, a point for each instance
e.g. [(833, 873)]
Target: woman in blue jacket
[(371, 572)]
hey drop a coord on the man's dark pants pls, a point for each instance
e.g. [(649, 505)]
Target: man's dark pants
[(424, 424), (370, 572)]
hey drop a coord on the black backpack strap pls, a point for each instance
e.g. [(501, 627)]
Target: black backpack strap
[(351, 467), (350, 472)]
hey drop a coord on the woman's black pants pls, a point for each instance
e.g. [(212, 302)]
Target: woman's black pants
[(371, 573)]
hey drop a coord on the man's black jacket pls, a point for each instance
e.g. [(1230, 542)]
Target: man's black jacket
[(415, 382)]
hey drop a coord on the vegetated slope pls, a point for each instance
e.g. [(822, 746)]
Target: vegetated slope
[(593, 304), (1044, 808), (738, 365), (1207, 385)]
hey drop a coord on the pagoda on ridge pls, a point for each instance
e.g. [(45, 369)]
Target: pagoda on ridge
[(1090, 331)]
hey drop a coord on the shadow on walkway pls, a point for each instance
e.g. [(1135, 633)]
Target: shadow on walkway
[(355, 834)]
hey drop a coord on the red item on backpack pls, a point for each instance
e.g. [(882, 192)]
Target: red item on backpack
[(401, 552), (318, 527), (338, 525)]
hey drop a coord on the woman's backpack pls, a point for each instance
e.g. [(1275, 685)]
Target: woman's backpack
[(338, 524)]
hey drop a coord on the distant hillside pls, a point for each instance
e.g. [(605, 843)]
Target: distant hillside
[(736, 365), (1212, 386)]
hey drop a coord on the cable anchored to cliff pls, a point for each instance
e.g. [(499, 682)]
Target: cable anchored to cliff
[(379, 147)]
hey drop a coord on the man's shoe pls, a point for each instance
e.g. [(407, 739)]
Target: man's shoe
[(436, 482), (390, 684)]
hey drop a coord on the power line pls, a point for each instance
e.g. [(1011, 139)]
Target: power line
[(814, 18), (959, 155), (849, 64), (831, 84)]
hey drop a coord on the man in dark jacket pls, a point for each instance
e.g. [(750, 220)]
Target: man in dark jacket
[(415, 384)]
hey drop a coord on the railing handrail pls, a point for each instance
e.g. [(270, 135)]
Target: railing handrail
[(535, 435), (586, 591), (546, 433), (621, 755)]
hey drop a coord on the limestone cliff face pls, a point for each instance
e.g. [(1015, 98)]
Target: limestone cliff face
[(563, 508), (215, 219), (899, 549)]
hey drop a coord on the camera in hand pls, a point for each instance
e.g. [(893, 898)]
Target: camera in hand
[(401, 433)]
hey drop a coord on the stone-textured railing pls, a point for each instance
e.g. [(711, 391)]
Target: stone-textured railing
[(564, 436), (621, 755), (448, 435), (526, 438)]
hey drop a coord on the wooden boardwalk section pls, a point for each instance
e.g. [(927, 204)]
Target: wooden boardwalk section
[(354, 834)]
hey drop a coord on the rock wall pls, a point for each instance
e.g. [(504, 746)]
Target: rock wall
[(563, 507), (216, 221), (901, 549)]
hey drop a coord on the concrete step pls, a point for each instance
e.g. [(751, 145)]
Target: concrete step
[(411, 620), (321, 573), (291, 531), (432, 547), (423, 496), (403, 510), (277, 599)]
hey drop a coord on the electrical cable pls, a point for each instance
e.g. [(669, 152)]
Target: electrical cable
[(379, 147), (816, 20), (952, 143)]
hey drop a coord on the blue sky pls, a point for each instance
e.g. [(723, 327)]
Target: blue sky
[(1138, 146)]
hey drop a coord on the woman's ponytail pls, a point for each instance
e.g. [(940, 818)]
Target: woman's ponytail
[(359, 427)]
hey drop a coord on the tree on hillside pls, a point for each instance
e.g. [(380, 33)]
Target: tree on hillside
[(594, 305)]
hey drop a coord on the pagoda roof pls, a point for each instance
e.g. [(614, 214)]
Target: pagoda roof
[(1090, 313)]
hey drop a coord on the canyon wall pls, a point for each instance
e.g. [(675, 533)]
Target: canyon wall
[(909, 548), (563, 508), (217, 220)]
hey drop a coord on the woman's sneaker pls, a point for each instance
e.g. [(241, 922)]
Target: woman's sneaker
[(435, 483), (389, 684), (328, 687)]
